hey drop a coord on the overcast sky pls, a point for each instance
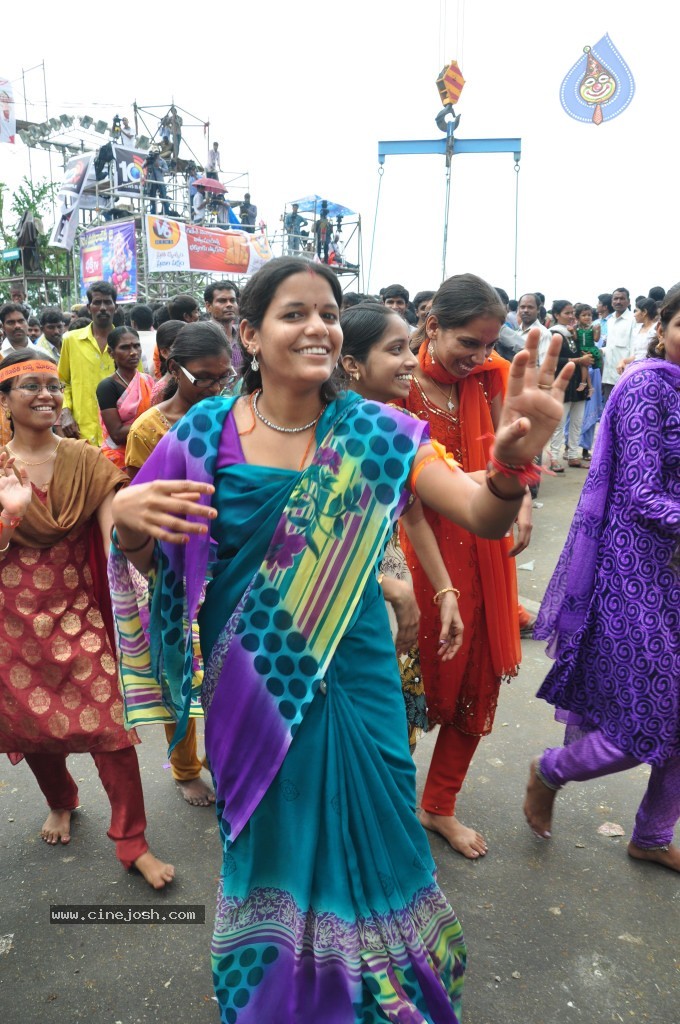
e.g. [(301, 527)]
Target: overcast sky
[(299, 93)]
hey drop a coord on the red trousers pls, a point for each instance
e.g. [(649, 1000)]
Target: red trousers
[(119, 772), (451, 759)]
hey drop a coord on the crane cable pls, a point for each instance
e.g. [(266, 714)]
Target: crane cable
[(381, 171)]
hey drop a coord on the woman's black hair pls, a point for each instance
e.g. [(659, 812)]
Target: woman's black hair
[(116, 334), (460, 299), (24, 356), (363, 326), (165, 338), (256, 299), (200, 340), (558, 306), (647, 306), (669, 309)]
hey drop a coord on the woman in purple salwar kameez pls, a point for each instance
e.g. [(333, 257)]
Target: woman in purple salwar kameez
[(612, 609)]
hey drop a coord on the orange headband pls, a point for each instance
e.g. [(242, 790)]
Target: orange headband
[(28, 366)]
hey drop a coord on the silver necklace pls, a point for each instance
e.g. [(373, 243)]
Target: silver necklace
[(283, 430), (125, 382)]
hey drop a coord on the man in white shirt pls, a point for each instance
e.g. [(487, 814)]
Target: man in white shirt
[(199, 205), (53, 325), (127, 134), (527, 311), (212, 164), (15, 327), (619, 342)]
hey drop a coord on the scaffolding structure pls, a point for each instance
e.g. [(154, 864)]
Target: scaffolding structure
[(169, 131)]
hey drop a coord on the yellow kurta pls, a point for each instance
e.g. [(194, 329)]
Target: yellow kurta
[(82, 365)]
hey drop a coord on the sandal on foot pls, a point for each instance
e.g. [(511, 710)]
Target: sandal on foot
[(556, 468), (576, 463)]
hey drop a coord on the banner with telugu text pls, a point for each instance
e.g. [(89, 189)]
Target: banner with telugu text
[(8, 122), (108, 253), (172, 245)]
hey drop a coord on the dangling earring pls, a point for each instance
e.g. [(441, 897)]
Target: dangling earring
[(355, 375), (660, 348), (254, 365), (430, 352), (8, 414)]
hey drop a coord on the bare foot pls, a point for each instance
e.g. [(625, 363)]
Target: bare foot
[(538, 804), (156, 873), (57, 828), (197, 793), (459, 837), (669, 858)]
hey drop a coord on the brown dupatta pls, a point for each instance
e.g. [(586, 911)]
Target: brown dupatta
[(82, 478)]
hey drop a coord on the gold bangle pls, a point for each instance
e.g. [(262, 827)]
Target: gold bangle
[(446, 590), (381, 577)]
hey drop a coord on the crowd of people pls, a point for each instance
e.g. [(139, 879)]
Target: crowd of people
[(295, 512)]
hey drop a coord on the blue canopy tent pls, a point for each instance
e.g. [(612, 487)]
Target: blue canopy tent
[(312, 204)]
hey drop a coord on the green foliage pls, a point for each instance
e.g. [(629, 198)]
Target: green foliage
[(39, 197)]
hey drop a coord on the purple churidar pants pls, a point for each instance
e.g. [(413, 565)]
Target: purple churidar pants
[(593, 756)]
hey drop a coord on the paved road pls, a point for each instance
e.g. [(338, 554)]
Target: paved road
[(570, 932)]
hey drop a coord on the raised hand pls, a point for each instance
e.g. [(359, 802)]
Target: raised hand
[(160, 509), (15, 490), (534, 403)]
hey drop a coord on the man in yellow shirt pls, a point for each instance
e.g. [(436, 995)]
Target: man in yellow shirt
[(84, 362)]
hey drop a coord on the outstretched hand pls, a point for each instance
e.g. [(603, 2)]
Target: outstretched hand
[(533, 404), (160, 509), (15, 487)]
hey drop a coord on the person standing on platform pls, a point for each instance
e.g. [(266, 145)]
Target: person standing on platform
[(293, 224), (212, 164)]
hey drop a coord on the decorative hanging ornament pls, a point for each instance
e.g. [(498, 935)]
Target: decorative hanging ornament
[(599, 86)]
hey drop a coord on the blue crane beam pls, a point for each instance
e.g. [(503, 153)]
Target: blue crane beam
[(420, 147)]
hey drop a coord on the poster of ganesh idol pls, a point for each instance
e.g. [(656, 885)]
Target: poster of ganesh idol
[(108, 253)]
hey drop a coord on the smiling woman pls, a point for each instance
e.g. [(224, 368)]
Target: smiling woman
[(58, 679), (328, 893)]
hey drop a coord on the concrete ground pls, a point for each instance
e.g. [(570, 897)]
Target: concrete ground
[(559, 932)]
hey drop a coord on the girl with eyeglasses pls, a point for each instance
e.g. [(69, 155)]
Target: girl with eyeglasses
[(200, 366), (58, 678)]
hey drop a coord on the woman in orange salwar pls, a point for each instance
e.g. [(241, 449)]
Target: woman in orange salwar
[(459, 389)]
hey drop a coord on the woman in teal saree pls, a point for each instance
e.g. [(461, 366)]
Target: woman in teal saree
[(328, 907)]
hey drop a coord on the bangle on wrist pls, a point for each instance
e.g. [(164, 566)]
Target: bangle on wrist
[(493, 487), (527, 474), (445, 590), (9, 521), (127, 551)]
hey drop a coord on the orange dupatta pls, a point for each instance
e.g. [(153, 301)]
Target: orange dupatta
[(497, 571)]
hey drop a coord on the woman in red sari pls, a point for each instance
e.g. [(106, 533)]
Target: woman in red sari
[(458, 388), (58, 675)]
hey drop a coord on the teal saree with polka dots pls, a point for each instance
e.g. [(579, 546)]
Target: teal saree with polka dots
[(328, 908)]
